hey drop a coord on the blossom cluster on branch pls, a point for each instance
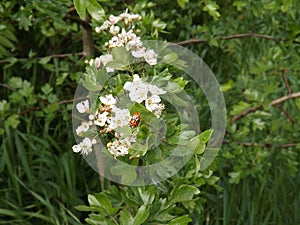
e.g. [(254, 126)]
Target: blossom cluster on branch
[(109, 117)]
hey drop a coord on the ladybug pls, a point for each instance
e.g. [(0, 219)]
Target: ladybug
[(135, 119)]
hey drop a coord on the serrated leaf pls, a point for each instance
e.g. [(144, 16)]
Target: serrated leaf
[(12, 121), (47, 89)]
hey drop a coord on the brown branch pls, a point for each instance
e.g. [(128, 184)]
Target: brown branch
[(244, 113), (87, 37), (284, 98), (77, 20), (286, 114), (273, 103), (265, 145), (236, 36), (65, 55), (284, 72)]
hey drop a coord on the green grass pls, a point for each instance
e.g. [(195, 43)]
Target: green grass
[(41, 179)]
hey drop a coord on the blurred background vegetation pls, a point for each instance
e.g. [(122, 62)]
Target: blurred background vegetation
[(253, 48)]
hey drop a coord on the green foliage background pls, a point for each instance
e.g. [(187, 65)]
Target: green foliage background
[(253, 48)]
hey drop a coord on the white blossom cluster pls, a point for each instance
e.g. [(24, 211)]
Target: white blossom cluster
[(108, 117), (127, 38), (139, 92)]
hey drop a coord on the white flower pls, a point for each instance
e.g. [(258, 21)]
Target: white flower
[(83, 106), (104, 26), (98, 30), (84, 127), (86, 146), (151, 57), (96, 62), (113, 19), (139, 52), (94, 141), (138, 89), (91, 117), (158, 110), (101, 119), (139, 95), (114, 30), (152, 102), (108, 100), (76, 148), (117, 148), (154, 90), (106, 58), (120, 118), (115, 42)]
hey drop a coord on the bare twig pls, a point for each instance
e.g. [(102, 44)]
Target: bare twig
[(265, 145), (273, 103), (65, 55), (286, 114), (236, 36), (244, 113), (284, 72), (284, 98)]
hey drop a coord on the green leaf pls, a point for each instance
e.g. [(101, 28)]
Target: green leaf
[(12, 121), (212, 8), (89, 82), (47, 89), (121, 59), (184, 193), (205, 136), (104, 202), (139, 148), (127, 172), (182, 220), (94, 9), (125, 217), (181, 82), (44, 60), (80, 7), (124, 131), (15, 82), (240, 107), (169, 58), (234, 177), (182, 3), (51, 108), (141, 216)]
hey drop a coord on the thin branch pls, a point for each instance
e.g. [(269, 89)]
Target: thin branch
[(244, 113), (286, 114), (265, 145), (255, 108), (284, 98), (284, 72), (236, 36), (65, 55), (77, 20)]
